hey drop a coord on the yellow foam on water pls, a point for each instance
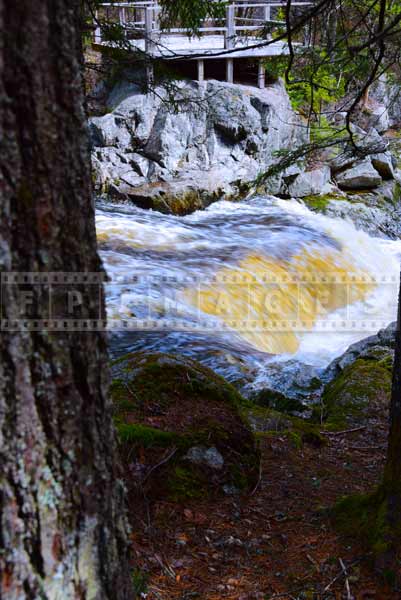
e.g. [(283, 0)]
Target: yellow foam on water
[(116, 234), (296, 292)]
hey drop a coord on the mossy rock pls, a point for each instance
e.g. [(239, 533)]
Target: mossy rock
[(320, 202), (270, 423), (358, 392), (165, 407), (278, 402)]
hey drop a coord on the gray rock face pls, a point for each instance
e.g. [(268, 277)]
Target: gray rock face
[(210, 457), (361, 176), (385, 104), (381, 344), (220, 135), (309, 183)]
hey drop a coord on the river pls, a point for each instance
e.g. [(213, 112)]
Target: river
[(244, 285)]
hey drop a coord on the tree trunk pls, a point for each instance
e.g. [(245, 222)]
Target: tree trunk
[(63, 530), (392, 473)]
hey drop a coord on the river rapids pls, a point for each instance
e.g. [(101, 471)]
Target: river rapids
[(243, 285)]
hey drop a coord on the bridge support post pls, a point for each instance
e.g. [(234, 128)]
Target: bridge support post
[(149, 42), (261, 75), (230, 41), (230, 70), (201, 71), (98, 30)]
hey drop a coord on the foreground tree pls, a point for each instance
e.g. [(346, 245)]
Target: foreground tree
[(62, 523)]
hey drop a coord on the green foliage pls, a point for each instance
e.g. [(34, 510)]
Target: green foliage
[(190, 13), (139, 582)]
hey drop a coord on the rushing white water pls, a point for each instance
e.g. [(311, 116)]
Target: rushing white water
[(247, 280)]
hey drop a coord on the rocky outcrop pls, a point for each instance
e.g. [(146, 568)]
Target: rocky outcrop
[(204, 147), (377, 212)]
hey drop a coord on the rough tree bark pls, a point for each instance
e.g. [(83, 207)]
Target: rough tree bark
[(62, 530), (392, 475)]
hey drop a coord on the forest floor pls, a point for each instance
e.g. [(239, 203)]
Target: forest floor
[(277, 542)]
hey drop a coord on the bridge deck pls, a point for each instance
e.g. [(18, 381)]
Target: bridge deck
[(244, 31), (208, 47)]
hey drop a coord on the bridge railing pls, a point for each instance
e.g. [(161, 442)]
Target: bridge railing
[(141, 20)]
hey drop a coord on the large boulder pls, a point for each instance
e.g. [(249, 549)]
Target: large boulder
[(309, 183), (361, 176), (360, 392), (365, 143), (181, 430), (383, 163)]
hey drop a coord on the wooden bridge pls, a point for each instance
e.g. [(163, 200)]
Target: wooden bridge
[(243, 33)]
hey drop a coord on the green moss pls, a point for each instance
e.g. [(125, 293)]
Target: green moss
[(185, 484), (365, 517), (319, 203), (277, 401), (136, 434), (192, 406), (298, 431), (160, 378), (397, 193), (360, 387)]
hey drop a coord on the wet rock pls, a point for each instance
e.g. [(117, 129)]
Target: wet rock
[(377, 212), (380, 346), (361, 176), (285, 381)]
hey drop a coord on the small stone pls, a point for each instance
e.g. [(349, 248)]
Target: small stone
[(207, 456)]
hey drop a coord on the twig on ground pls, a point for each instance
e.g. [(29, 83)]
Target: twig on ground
[(347, 587), (337, 577), (258, 481), (367, 448), (162, 462), (345, 432)]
